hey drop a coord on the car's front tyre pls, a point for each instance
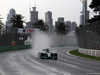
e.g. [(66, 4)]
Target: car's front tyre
[(41, 56)]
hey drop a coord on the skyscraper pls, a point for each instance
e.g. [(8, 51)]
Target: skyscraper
[(34, 16), (68, 24), (49, 20), (12, 12), (85, 13), (61, 19), (81, 19), (73, 26)]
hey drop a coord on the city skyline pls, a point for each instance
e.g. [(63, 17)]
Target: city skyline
[(58, 8)]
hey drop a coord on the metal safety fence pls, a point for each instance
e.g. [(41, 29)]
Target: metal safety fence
[(89, 36), (9, 39), (14, 41)]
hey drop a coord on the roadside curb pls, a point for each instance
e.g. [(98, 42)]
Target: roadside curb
[(78, 54)]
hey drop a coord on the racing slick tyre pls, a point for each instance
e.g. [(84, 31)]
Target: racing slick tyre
[(54, 56), (41, 56)]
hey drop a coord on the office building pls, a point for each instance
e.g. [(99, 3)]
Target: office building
[(81, 19), (49, 20), (73, 26), (61, 19), (12, 12), (85, 14), (68, 24), (34, 16), (29, 25)]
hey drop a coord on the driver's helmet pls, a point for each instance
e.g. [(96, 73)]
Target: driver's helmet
[(47, 50)]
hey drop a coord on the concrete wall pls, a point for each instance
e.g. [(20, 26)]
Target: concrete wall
[(17, 47), (90, 52)]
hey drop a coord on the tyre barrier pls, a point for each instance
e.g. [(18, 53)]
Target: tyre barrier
[(90, 52)]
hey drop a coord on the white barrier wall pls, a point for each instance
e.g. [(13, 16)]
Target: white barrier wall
[(90, 52)]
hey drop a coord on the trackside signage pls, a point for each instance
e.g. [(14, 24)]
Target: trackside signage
[(27, 30)]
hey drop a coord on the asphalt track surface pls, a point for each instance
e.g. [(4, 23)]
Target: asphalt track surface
[(23, 62)]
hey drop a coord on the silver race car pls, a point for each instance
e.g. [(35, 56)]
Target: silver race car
[(46, 54)]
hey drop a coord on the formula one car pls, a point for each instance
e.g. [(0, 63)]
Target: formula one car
[(46, 54)]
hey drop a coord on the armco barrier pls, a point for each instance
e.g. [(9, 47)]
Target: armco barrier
[(90, 52), (17, 47)]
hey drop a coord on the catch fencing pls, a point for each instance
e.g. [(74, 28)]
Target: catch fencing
[(14, 41), (89, 36)]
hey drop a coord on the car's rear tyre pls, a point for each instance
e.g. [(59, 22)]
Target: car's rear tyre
[(56, 56)]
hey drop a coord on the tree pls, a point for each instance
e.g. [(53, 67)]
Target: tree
[(41, 25), (17, 21), (96, 18), (95, 5), (1, 24), (61, 28)]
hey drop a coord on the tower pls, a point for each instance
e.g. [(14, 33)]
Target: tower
[(84, 12), (34, 16), (49, 20), (12, 12), (69, 25)]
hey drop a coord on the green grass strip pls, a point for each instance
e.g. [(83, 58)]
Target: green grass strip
[(75, 52)]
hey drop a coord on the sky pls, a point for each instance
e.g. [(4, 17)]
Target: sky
[(69, 9)]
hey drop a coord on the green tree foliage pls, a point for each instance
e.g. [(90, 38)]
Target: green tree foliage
[(17, 21), (94, 19), (61, 28), (1, 23), (77, 29), (41, 25), (95, 5)]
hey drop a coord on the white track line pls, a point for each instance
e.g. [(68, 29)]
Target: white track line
[(77, 62), (1, 72)]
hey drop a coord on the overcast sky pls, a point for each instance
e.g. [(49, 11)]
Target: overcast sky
[(69, 9)]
